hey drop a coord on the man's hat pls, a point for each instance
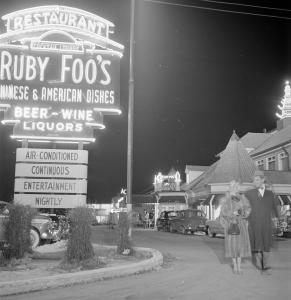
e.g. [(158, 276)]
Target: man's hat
[(259, 173)]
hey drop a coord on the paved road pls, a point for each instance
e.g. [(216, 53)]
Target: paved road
[(194, 268)]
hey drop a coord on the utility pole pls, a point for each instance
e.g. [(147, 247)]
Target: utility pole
[(130, 118)]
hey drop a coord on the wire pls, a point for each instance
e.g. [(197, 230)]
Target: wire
[(246, 5), (216, 9)]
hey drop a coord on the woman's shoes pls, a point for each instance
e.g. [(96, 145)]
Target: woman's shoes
[(236, 271)]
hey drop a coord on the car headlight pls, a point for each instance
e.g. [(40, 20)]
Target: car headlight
[(44, 235)]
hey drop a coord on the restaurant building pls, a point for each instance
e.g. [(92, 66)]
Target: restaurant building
[(268, 151)]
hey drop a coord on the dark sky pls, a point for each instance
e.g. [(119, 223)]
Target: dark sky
[(199, 74)]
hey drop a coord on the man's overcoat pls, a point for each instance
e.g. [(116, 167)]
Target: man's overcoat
[(260, 219)]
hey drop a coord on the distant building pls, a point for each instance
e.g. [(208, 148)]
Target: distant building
[(166, 195)]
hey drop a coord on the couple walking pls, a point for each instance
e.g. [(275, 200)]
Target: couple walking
[(247, 222)]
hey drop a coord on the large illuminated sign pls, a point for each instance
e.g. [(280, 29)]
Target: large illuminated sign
[(59, 73)]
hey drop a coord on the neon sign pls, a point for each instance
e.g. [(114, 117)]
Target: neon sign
[(286, 103), (48, 16), (167, 182), (34, 22), (59, 73)]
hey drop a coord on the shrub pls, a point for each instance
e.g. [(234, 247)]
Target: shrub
[(63, 226), (79, 247), (124, 244), (17, 231)]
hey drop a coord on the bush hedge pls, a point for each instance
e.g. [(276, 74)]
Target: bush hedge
[(79, 246), (17, 230)]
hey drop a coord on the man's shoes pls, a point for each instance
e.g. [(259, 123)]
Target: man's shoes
[(266, 271), (259, 260)]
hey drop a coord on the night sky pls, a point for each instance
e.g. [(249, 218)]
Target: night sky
[(199, 75)]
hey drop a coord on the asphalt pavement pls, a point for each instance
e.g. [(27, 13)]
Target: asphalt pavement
[(194, 268)]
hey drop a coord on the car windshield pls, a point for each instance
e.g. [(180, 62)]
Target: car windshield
[(194, 213)]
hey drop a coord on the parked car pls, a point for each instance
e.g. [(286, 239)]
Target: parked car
[(285, 224), (188, 221), (163, 220), (213, 227), (43, 228)]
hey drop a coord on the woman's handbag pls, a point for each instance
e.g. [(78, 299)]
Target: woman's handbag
[(233, 229)]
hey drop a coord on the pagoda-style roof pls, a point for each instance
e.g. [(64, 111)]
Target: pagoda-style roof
[(234, 163)]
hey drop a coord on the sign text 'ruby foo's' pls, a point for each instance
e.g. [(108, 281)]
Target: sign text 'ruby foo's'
[(81, 80), (59, 73)]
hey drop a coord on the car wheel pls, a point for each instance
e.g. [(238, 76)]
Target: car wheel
[(211, 234), (34, 238)]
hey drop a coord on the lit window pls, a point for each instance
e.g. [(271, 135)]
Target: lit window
[(271, 163), (283, 162)]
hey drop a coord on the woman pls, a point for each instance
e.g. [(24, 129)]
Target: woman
[(235, 209)]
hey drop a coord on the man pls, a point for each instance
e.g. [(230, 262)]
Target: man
[(264, 206)]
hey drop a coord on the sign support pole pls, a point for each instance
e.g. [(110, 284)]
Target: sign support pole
[(130, 119), (24, 144)]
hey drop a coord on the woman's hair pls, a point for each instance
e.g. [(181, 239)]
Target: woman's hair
[(234, 185)]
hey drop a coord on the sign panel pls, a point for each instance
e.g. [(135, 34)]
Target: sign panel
[(51, 156), (83, 81), (50, 170), (61, 186), (50, 201), (43, 121)]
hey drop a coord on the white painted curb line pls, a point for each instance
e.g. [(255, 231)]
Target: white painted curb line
[(61, 280)]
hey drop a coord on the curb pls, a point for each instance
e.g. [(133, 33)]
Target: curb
[(62, 280)]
